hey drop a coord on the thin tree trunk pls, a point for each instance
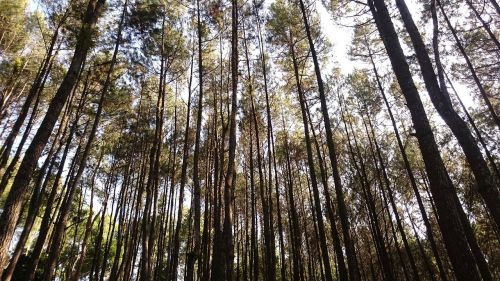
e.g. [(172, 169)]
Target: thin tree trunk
[(268, 235), (484, 24), (59, 231), (38, 191), (411, 176), (174, 254), (343, 275), (298, 269), (45, 223), (387, 182), (312, 172), (75, 272), (479, 85), (344, 219), (476, 130), (388, 272), (227, 232), (34, 92), (194, 255)]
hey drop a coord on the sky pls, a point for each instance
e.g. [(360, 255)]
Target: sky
[(340, 36)]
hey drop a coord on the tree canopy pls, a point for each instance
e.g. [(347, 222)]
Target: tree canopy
[(249, 140)]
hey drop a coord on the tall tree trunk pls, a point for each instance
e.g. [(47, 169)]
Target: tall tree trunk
[(388, 272), (268, 235), (344, 219), (194, 255), (343, 275), (17, 194), (217, 262), (254, 265), (74, 275), (227, 232), (34, 92), (472, 70), (441, 185), (11, 167), (270, 147), (38, 191), (441, 100), (46, 219), (174, 254), (312, 172), (411, 176), (298, 269), (60, 227), (399, 224)]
